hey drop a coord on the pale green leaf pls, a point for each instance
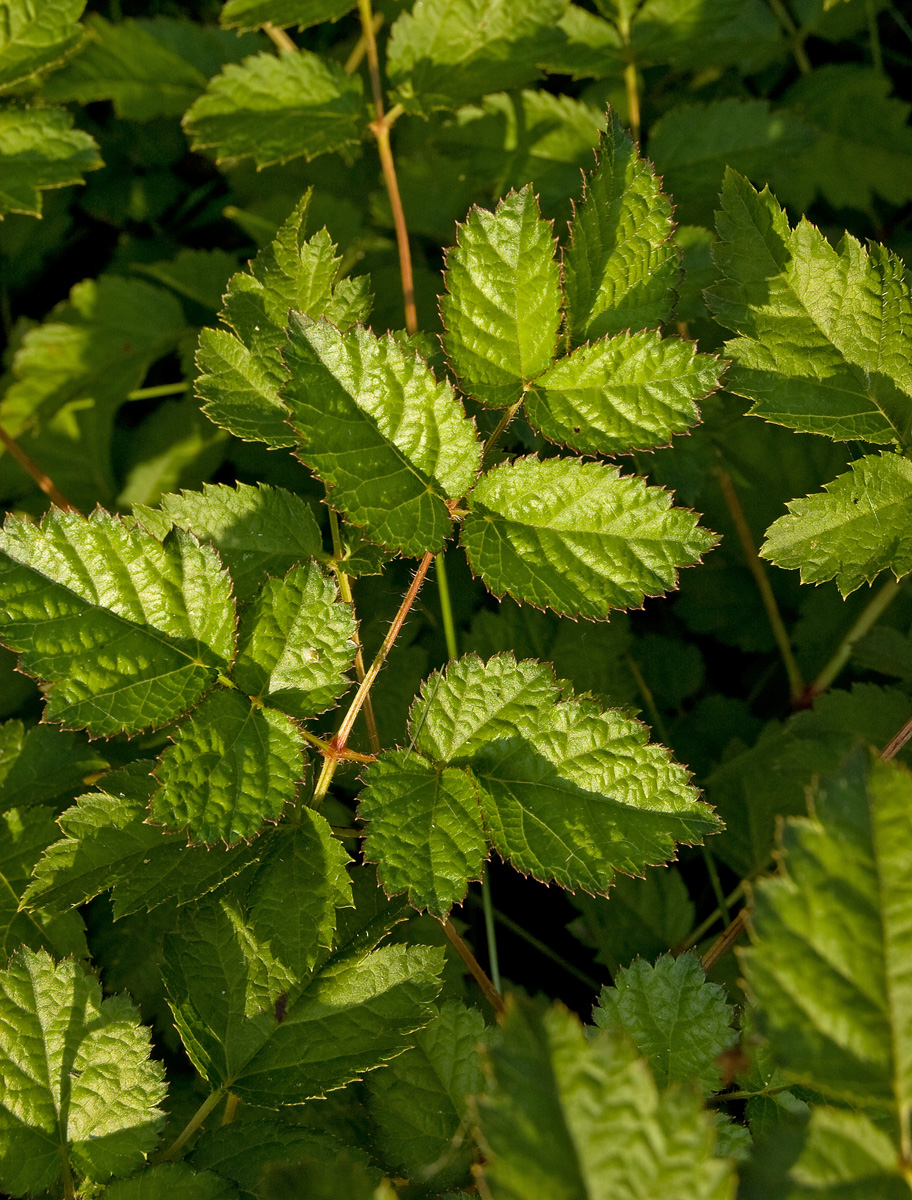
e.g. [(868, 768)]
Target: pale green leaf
[(569, 1118), (424, 829), (679, 1021), (823, 344), (632, 391), (448, 52), (39, 148), (577, 537), (419, 1102), (251, 14), (275, 109), (502, 309), (129, 631), (232, 766), (171, 1181), (621, 267), (37, 37), (43, 763), (373, 422), (78, 1084), (857, 528)]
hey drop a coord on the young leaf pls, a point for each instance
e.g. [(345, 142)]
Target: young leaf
[(853, 531), (679, 1021), (39, 148), (577, 537), (565, 1112), (131, 632), (37, 37), (823, 345), (424, 829), (621, 267), (251, 14), (632, 391), (232, 766), (275, 109), (81, 1092), (172, 1181), (393, 443), (502, 309)]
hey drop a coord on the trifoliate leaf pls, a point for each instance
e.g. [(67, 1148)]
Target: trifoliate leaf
[(502, 309), (39, 148), (129, 631), (172, 1181), (43, 764), (857, 528), (251, 14), (424, 829), (621, 267), (37, 37), (630, 391), (823, 346), (565, 1113), (246, 1151), (366, 411), (275, 109), (232, 766), (418, 1102), (577, 537), (80, 1091), (445, 53), (679, 1021)]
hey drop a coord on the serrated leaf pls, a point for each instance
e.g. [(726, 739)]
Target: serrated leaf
[(276, 109), (37, 37), (424, 829), (42, 764), (251, 14), (365, 412), (577, 537), (679, 1021), (129, 631), (502, 309), (621, 267), (231, 767), (632, 391), (172, 1181), (854, 530), (419, 1102), (447, 52), (592, 48), (39, 148), (696, 33), (80, 1088), (823, 346), (564, 1113)]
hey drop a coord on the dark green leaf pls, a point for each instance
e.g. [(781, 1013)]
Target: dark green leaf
[(39, 148)]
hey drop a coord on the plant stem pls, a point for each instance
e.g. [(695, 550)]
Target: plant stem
[(784, 17), (490, 934), (501, 426), (353, 62), (633, 97), (446, 608), (163, 389), (193, 1124), (345, 592), (543, 948), (874, 35), (380, 128), (725, 941), (716, 883), (897, 741), (491, 994), (648, 699), (231, 1103), (716, 915), (279, 38), (46, 484), (69, 1191), (758, 570), (869, 616)]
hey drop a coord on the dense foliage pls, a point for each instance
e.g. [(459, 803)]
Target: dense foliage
[(306, 301)]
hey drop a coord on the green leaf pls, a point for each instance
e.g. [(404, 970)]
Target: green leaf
[(80, 1089), (424, 829), (232, 766), (42, 764), (592, 49), (251, 14), (172, 1181), (419, 1102), (577, 537), (632, 391), (200, 276), (621, 267), (823, 346), (247, 1151), (39, 148), (691, 34), (502, 309), (37, 37), (367, 414), (565, 1113), (854, 530), (447, 52), (275, 109), (129, 631), (679, 1021)]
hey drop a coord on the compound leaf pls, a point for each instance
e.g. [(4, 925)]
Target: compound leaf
[(857, 528), (79, 1087), (251, 14), (275, 109), (129, 631), (629, 391), (39, 148), (374, 423), (502, 309), (577, 537), (37, 37)]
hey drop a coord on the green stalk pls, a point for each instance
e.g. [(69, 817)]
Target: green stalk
[(488, 907), (446, 608), (716, 886), (869, 617), (784, 17), (544, 949), (163, 389), (193, 1124)]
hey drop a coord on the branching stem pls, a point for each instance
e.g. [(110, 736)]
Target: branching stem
[(46, 484), (784, 17), (869, 616), (353, 62)]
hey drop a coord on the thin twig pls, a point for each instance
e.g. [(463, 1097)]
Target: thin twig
[(345, 592), (162, 389), (446, 608), (490, 935), (897, 741), (795, 37), (46, 484), (353, 62), (491, 994), (542, 947), (725, 941), (869, 616), (279, 38)]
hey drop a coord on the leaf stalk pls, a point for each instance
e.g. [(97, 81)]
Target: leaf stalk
[(869, 617)]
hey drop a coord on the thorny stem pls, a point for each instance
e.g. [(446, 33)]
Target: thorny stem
[(46, 484), (279, 38), (784, 17), (757, 569), (488, 909), (725, 941), (491, 994), (500, 427), (346, 593), (353, 62), (193, 1124), (869, 617)]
